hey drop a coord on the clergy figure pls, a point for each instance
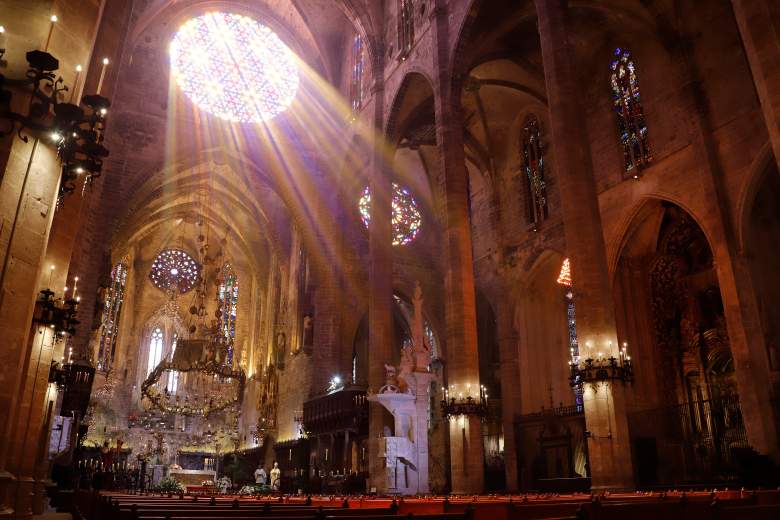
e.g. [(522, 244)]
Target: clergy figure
[(260, 476)]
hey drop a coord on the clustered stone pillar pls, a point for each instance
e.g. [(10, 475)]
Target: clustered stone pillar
[(380, 298), (762, 47), (605, 408), (462, 359)]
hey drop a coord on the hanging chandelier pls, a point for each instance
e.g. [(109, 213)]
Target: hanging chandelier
[(213, 387)]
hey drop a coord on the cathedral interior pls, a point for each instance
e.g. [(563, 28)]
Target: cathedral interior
[(388, 248)]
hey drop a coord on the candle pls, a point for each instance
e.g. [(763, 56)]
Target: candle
[(76, 85), (51, 272), (51, 30), (102, 75), (2, 40)]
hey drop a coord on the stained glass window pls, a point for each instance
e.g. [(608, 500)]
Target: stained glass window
[(630, 115), (406, 215), (233, 67), (174, 268), (228, 306), (405, 27), (155, 350), (533, 164), (173, 375), (358, 65), (112, 309)]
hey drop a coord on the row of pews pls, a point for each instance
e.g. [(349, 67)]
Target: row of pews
[(120, 506), (722, 505)]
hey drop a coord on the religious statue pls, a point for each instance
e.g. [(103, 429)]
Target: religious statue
[(308, 331), (421, 348), (280, 347), (276, 476), (391, 380), (406, 367)]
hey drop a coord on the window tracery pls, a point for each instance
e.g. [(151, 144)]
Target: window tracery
[(112, 309), (234, 67), (405, 27), (155, 350), (174, 268), (406, 220), (629, 112), (533, 166), (228, 308), (356, 90)]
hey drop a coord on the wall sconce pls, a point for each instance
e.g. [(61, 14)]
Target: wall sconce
[(76, 132)]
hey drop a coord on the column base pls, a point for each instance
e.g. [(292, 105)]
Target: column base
[(25, 488), (7, 485)]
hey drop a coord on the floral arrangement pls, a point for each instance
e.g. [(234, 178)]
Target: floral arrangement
[(169, 485)]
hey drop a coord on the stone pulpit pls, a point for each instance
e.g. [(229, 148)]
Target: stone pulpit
[(406, 395)]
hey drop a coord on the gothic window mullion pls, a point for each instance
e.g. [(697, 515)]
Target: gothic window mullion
[(630, 114)]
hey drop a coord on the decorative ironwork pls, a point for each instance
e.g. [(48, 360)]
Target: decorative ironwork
[(182, 406), (77, 132), (601, 369), (458, 403), (58, 314)]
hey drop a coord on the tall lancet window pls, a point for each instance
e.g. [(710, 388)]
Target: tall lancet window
[(228, 307), (112, 309), (405, 27), (155, 349), (629, 112), (533, 166), (356, 89), (173, 375)]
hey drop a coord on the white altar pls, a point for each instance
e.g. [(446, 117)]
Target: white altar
[(192, 477)]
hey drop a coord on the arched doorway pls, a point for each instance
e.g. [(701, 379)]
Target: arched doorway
[(684, 417)]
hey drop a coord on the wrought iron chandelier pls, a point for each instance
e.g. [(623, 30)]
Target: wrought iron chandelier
[(600, 369), (457, 403), (58, 314), (75, 129)]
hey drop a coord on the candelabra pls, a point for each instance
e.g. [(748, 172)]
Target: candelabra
[(459, 403), (77, 132), (60, 315), (600, 369)]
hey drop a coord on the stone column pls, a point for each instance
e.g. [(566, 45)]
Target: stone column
[(605, 408), (510, 386), (462, 362), (762, 47), (380, 297), (31, 181)]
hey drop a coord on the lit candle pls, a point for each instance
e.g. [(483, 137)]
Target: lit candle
[(2, 39), (102, 75), (76, 85), (51, 272), (51, 30)]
